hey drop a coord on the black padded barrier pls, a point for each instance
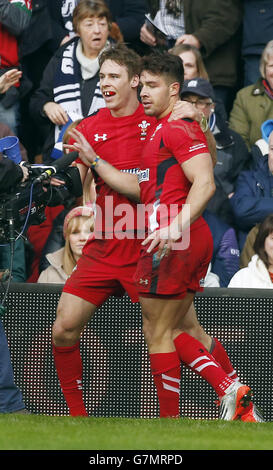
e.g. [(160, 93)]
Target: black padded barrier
[(117, 379)]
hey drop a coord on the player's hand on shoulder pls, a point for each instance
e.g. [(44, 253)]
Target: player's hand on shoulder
[(184, 109)]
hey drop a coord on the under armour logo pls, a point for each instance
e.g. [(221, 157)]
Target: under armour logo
[(98, 137), (144, 127), (143, 281)]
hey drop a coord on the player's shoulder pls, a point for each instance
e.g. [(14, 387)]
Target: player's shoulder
[(185, 126), (98, 116)]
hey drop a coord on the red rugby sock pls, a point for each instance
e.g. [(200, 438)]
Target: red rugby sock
[(219, 353), (195, 356), (166, 373), (68, 364)]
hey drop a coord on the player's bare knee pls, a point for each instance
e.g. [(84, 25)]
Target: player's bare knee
[(63, 334)]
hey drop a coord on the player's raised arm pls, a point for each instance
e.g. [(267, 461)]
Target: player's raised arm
[(123, 183)]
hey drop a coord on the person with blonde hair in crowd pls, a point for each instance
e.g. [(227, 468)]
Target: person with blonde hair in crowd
[(77, 229), (253, 104)]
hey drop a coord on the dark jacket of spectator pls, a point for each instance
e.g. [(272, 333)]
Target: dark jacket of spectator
[(13, 21), (226, 255), (10, 174), (217, 25), (253, 197), (129, 16), (232, 158), (257, 26)]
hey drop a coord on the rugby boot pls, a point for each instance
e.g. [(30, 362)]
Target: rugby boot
[(235, 402), (252, 415)]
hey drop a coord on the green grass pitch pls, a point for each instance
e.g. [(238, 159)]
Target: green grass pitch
[(37, 432)]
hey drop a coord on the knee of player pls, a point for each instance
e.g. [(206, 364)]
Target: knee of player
[(63, 332), (152, 331), (158, 337)]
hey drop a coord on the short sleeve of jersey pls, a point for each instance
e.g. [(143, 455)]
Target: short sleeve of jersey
[(184, 139)]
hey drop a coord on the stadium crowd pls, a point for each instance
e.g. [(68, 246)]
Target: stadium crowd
[(228, 77), (228, 81)]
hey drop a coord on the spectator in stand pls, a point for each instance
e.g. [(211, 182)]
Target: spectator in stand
[(257, 32), (192, 61), (38, 44), (226, 255), (194, 67), (14, 19), (259, 272), (127, 15), (252, 200), (70, 86), (77, 229), (213, 27), (254, 104)]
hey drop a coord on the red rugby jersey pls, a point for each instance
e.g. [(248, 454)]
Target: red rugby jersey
[(163, 184), (120, 142)]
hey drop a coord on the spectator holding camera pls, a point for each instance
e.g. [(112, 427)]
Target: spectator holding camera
[(213, 27)]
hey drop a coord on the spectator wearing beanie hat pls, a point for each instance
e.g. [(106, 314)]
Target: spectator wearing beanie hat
[(77, 229)]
